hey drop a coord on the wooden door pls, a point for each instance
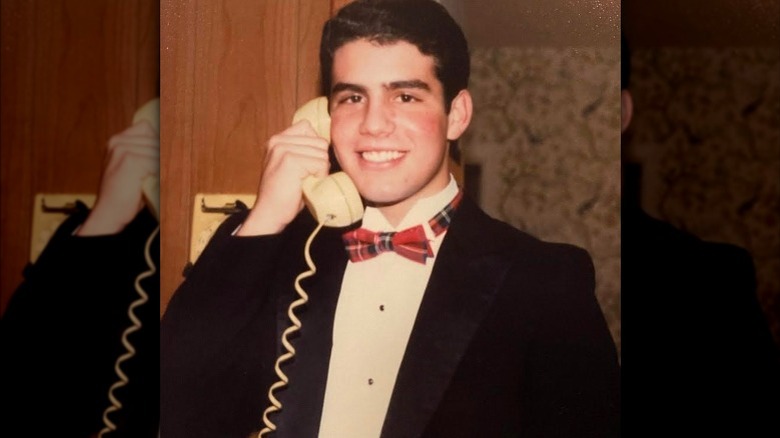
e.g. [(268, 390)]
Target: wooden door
[(73, 73), (232, 74)]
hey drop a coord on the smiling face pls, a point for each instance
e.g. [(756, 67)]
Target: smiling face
[(389, 128)]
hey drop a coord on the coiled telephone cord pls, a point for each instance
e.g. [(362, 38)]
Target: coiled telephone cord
[(116, 405), (276, 405)]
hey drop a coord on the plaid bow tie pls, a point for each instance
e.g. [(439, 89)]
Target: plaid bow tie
[(412, 243)]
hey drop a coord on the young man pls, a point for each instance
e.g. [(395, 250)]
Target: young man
[(489, 333)]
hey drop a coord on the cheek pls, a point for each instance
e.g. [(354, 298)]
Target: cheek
[(427, 130), (340, 131), (428, 123), (343, 150)]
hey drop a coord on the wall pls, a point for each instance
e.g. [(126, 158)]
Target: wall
[(73, 73), (232, 73), (546, 133)]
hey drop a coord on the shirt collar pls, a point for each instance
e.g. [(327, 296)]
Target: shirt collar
[(420, 213)]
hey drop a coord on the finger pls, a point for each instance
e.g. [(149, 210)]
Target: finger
[(284, 139), (299, 165), (302, 127), (144, 127), (126, 148), (121, 144), (280, 151), (140, 133), (134, 159), (314, 166), (300, 139), (127, 140)]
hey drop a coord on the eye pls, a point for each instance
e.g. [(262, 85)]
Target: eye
[(352, 98), (407, 98)]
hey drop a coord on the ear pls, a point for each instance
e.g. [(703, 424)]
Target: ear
[(460, 115), (626, 109)]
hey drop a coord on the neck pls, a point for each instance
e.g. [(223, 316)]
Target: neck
[(394, 213)]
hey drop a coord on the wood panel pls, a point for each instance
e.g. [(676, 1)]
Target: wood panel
[(16, 120), (233, 73), (338, 4), (73, 72)]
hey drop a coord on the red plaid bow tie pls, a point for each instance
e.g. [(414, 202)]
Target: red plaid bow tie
[(412, 243)]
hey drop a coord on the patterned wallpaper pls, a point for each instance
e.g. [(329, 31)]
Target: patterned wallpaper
[(546, 133), (707, 134)]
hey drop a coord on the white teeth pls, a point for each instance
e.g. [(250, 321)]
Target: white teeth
[(381, 156)]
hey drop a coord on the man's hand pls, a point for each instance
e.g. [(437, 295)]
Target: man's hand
[(133, 154), (292, 155)]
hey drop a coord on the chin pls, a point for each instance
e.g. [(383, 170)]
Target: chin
[(379, 197), (380, 200)]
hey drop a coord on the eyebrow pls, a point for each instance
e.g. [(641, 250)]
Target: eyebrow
[(414, 83), (395, 85)]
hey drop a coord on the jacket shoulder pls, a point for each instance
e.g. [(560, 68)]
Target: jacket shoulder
[(490, 232)]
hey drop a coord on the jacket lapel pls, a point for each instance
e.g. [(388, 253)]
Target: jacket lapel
[(464, 281), (308, 372)]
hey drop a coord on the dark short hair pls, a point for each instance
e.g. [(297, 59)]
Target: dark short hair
[(423, 23)]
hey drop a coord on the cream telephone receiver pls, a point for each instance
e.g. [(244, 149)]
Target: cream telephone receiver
[(150, 112), (332, 200)]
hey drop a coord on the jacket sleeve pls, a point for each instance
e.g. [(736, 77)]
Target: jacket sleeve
[(206, 309), (573, 369), (220, 311), (61, 333)]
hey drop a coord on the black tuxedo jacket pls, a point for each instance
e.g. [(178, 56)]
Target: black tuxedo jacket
[(509, 339), (694, 336), (61, 336)]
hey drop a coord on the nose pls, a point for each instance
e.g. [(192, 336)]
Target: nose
[(377, 119)]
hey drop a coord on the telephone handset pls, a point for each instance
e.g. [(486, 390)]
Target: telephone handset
[(332, 200), (150, 112)]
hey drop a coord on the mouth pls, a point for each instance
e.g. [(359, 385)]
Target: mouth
[(381, 156)]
